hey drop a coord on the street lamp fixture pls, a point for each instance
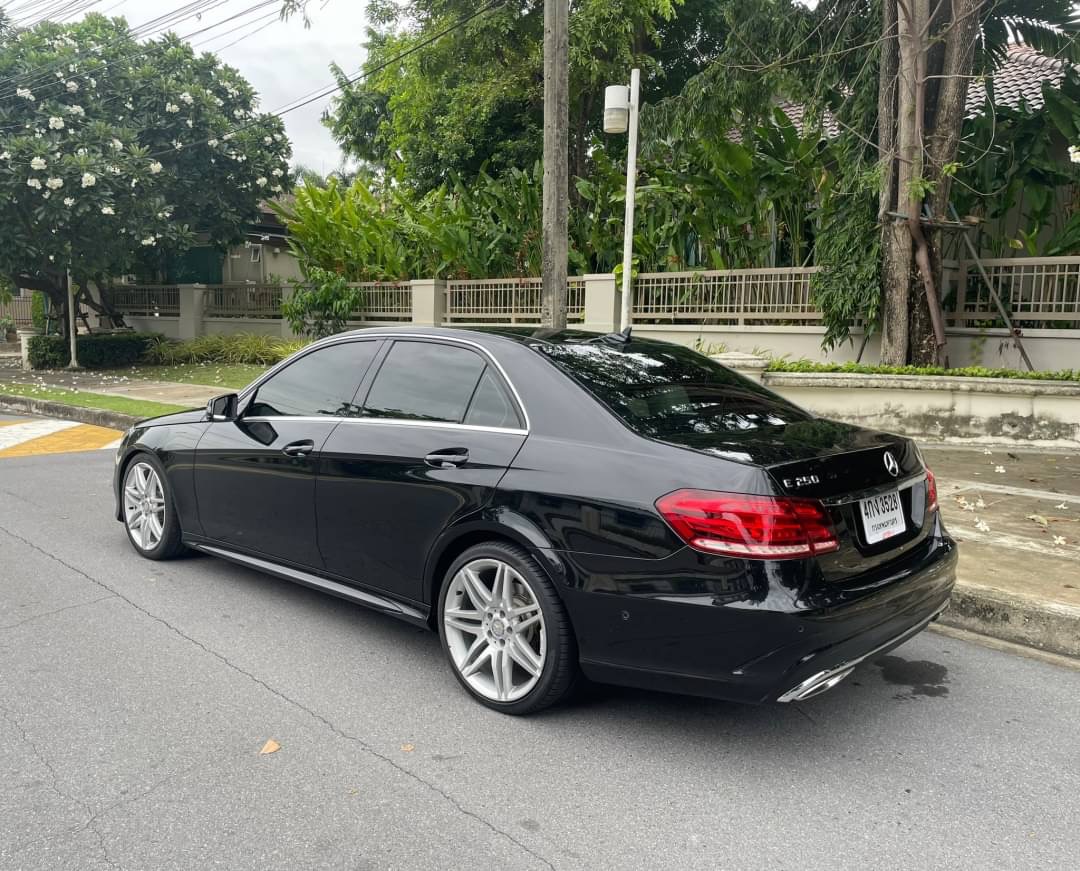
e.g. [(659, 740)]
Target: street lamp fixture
[(621, 106)]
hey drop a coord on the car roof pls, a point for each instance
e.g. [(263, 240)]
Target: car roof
[(528, 336)]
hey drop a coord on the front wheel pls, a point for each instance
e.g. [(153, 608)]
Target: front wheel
[(149, 514), (505, 630)]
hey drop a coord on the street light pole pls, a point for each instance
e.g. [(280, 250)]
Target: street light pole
[(621, 106), (74, 362)]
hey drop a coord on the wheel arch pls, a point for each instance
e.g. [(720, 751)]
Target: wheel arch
[(458, 539)]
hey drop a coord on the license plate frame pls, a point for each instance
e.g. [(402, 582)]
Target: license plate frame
[(882, 516)]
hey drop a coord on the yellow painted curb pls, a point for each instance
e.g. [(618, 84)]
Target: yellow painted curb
[(84, 437)]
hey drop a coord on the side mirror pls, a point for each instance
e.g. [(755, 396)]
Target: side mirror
[(222, 408)]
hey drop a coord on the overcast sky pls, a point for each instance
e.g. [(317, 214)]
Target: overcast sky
[(282, 61)]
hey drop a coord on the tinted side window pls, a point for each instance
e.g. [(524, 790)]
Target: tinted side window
[(424, 381), (322, 382), (491, 406)]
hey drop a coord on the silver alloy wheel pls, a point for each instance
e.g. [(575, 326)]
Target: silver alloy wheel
[(144, 505), (495, 630)]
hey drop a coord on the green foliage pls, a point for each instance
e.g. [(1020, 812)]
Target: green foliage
[(124, 405), (96, 351), (119, 162), (322, 307), (233, 348), (7, 325), (37, 310), (962, 371)]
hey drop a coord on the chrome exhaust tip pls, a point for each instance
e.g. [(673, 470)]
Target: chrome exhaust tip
[(816, 684)]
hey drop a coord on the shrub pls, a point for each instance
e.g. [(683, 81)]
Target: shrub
[(324, 307), (101, 351), (233, 348), (960, 372), (7, 325), (37, 310)]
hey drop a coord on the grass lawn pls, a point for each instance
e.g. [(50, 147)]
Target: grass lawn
[(234, 375), (121, 404)]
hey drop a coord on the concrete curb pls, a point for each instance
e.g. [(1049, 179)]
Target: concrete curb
[(49, 408), (1049, 626)]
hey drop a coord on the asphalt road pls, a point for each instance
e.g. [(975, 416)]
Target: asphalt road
[(135, 697)]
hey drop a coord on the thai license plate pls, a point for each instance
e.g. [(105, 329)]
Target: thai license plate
[(882, 516)]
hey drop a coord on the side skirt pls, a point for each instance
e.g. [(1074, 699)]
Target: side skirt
[(325, 585)]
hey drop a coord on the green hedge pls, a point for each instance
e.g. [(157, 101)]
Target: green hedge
[(104, 351), (958, 372), (233, 348)]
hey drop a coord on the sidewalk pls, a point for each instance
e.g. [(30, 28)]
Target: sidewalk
[(111, 383), (1016, 515)]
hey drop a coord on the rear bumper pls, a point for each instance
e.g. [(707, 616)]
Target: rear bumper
[(782, 648)]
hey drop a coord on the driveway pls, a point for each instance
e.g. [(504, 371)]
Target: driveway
[(135, 698)]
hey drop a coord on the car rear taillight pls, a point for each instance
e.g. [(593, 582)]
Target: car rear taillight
[(931, 492), (755, 527)]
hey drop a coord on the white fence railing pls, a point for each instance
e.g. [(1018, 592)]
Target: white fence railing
[(507, 301), (243, 301), (149, 301), (19, 310), (1036, 291), (732, 296)]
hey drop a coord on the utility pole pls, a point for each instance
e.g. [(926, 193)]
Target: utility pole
[(556, 172)]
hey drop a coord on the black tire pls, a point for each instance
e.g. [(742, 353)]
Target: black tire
[(169, 544), (559, 673)]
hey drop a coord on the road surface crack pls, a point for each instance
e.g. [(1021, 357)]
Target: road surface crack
[(315, 715), (56, 611)]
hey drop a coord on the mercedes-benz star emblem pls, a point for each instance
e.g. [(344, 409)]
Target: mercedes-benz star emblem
[(891, 464)]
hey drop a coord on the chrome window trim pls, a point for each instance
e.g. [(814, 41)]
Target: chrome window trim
[(390, 421), (353, 337)]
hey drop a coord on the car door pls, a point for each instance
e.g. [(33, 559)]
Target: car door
[(255, 476), (439, 428)]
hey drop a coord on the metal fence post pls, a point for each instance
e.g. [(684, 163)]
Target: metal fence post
[(603, 303)]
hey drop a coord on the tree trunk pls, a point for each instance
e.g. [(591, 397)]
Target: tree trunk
[(896, 248)]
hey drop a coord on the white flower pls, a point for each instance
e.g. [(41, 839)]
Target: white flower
[(33, 183), (47, 194), (54, 183), (88, 179), (261, 181), (25, 93), (238, 113), (149, 240), (108, 210), (982, 525), (117, 145), (81, 152), (69, 201), (155, 168), (227, 137), (1074, 152), (267, 140), (177, 144), (115, 170), (128, 105), (72, 87), (277, 189), (1061, 507), (277, 173), (277, 137), (999, 469), (186, 98), (218, 101), (76, 110), (172, 108), (93, 82), (211, 142), (1059, 539), (38, 163), (56, 123), (190, 123), (72, 68), (5, 156)]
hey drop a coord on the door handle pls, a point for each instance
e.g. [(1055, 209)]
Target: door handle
[(449, 458), (299, 449)]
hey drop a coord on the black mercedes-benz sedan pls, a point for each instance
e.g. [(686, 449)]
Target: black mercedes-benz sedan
[(558, 504)]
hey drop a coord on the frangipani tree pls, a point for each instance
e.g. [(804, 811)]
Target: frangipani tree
[(116, 154)]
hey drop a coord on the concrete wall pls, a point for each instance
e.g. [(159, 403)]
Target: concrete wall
[(951, 409), (167, 326)]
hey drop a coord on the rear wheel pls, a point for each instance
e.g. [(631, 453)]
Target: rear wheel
[(505, 630), (149, 514)]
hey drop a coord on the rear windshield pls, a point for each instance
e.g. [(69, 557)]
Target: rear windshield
[(666, 391)]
